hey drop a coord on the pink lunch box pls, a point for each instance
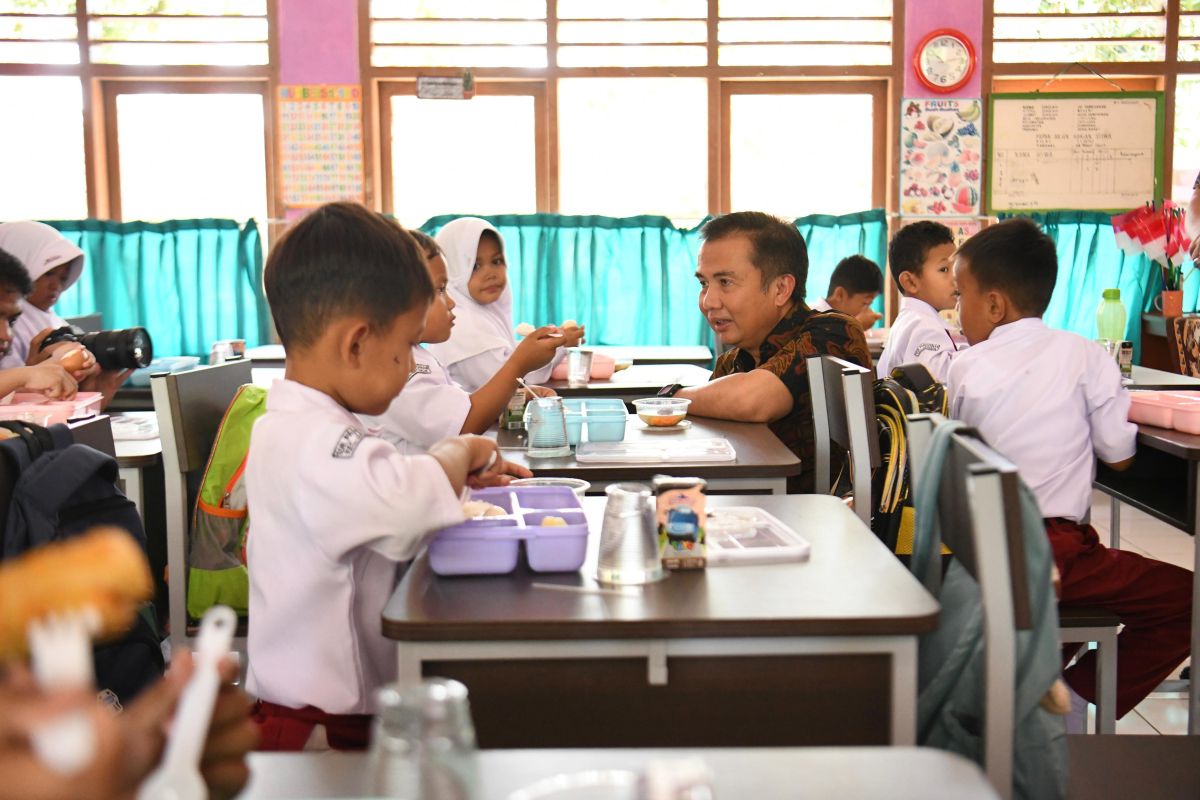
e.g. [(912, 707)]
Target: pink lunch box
[(35, 408), (602, 368), (1178, 410)]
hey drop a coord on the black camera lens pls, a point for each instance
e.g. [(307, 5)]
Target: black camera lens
[(124, 349)]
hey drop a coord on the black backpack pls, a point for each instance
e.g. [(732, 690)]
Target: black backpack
[(55, 489)]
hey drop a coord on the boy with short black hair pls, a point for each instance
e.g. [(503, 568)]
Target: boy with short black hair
[(853, 287), (49, 377), (919, 258), (1052, 402), (336, 509)]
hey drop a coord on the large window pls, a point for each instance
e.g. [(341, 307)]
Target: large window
[(41, 149)]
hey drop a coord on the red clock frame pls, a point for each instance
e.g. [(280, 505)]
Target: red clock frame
[(972, 60)]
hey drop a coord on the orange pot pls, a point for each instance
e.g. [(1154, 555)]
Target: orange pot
[(1172, 303)]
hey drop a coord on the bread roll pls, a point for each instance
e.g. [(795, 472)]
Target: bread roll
[(103, 569), (569, 325), (73, 361), (524, 329)]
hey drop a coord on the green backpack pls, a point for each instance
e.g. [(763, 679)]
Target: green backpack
[(217, 547)]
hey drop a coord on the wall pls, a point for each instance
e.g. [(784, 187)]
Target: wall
[(318, 41)]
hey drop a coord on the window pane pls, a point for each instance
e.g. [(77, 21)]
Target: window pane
[(1187, 138), (37, 28), (825, 30), (449, 9), (1076, 6), (449, 56), (42, 163), (37, 6), (1079, 27), (632, 32), (212, 8), (1091, 51), (1189, 25), (1189, 50), (782, 163), (805, 8), (39, 53), (632, 146), (463, 157), (192, 155), (633, 56), (438, 32), (786, 55), (234, 29), (151, 54), (632, 9)]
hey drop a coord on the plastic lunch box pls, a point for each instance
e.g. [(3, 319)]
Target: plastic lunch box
[(1178, 410), (605, 419), (603, 368), (35, 408), (491, 545)]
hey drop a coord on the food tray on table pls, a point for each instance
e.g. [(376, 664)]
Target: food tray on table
[(40, 410), (689, 451), (1178, 410), (491, 545), (605, 419), (747, 535)]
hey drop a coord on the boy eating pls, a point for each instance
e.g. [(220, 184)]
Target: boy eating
[(336, 509), (1052, 402), (853, 287)]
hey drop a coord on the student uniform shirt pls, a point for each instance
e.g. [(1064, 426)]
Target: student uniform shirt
[(335, 509), (822, 305), (1050, 401), (785, 353), (432, 407), (918, 336)]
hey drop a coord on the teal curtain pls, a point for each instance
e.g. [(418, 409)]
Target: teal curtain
[(1089, 261), (631, 280), (189, 282)]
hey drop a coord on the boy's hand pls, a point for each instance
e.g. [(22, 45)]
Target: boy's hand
[(868, 317), (75, 359), (50, 379), (487, 467), (537, 349), (572, 337), (539, 391)]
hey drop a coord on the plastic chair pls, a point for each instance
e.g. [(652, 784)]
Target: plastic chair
[(190, 406), (844, 415)]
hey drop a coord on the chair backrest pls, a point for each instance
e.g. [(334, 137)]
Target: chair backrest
[(88, 323), (844, 416), (1183, 342), (979, 519), (189, 406)]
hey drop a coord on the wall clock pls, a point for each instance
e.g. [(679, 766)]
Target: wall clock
[(944, 60)]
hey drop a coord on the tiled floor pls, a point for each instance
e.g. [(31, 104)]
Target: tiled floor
[(1141, 533)]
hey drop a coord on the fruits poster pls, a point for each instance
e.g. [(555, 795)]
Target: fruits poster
[(941, 154)]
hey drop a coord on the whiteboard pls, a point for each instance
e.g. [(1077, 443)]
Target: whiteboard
[(1086, 151)]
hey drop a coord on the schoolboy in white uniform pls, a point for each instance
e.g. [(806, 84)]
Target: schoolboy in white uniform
[(432, 406), (1052, 402), (853, 287), (919, 258), (335, 509)]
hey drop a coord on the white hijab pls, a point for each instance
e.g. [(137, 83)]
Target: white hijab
[(40, 249), (477, 328)]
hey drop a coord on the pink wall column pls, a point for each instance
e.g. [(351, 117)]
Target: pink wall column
[(318, 42), (924, 16)]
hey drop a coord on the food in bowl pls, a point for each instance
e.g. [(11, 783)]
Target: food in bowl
[(475, 509), (553, 522), (662, 412)]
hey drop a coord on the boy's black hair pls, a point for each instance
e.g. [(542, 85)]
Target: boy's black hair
[(427, 243), (857, 275), (13, 275), (341, 259), (1016, 258), (777, 247), (911, 245)]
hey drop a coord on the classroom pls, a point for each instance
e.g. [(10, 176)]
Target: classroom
[(656, 399)]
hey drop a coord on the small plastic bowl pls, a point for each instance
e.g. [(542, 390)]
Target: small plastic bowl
[(579, 487), (662, 412)]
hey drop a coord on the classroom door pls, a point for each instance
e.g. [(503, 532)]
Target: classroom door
[(185, 150), (794, 147), (486, 155)]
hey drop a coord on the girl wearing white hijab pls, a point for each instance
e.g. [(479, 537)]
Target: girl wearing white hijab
[(53, 264), (483, 337)]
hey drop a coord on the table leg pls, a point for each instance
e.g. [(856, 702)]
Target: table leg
[(132, 478), (904, 693), (1114, 523)]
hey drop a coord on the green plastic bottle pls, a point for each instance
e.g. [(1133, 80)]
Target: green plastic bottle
[(1110, 316)]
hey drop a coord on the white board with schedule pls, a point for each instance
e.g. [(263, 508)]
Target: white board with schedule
[(1097, 151)]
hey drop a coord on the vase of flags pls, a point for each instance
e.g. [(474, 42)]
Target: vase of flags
[(1157, 231)]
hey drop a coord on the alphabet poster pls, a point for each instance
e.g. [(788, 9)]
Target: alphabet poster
[(320, 143), (941, 153)]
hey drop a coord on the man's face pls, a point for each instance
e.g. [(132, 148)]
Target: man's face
[(732, 297), (10, 309)]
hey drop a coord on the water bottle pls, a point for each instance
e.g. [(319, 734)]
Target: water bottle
[(1110, 316), (423, 742)]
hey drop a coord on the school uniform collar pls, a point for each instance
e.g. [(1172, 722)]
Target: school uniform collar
[(293, 397), (918, 306), (1016, 328)]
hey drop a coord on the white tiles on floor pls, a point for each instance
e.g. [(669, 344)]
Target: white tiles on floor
[(1142, 533)]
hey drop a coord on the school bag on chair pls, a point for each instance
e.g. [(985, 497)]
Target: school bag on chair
[(61, 490), (217, 543), (910, 389)]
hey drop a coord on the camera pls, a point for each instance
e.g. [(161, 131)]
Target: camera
[(124, 349)]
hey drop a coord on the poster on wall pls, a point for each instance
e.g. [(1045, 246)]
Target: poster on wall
[(320, 144), (941, 155)]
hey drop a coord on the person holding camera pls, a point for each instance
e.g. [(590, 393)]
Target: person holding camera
[(48, 377), (39, 335)]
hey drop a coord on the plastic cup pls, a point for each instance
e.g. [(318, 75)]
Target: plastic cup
[(579, 367)]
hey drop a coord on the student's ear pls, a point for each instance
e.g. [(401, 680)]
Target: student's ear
[(997, 306), (839, 296), (352, 340), (908, 282), (782, 288)]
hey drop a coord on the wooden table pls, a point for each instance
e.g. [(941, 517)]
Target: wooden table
[(763, 462), (821, 652), (765, 773), (1163, 481), (640, 380), (1147, 378)]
